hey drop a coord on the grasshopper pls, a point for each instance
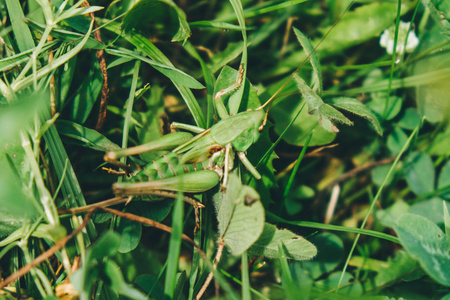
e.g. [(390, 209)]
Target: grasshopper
[(196, 163)]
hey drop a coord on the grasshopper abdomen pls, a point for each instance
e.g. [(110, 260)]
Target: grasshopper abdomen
[(166, 166)]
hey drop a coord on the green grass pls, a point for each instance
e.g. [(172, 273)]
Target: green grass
[(344, 116)]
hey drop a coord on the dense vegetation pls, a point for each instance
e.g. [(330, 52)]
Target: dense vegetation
[(353, 159)]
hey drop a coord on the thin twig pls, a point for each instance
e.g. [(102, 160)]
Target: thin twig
[(155, 224), (314, 153), (47, 254), (102, 63), (81, 209), (350, 174), (286, 35), (210, 276), (357, 170)]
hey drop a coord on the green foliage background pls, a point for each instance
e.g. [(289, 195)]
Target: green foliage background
[(370, 199)]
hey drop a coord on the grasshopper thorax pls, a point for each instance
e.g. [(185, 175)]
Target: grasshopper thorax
[(241, 130)]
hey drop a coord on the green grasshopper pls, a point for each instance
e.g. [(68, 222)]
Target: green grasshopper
[(195, 163), (198, 163)]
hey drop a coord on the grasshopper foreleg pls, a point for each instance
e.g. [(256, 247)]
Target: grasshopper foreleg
[(248, 165), (228, 165), (220, 106)]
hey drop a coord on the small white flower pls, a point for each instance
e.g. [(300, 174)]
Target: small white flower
[(387, 39)]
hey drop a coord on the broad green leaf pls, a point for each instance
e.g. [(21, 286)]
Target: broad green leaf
[(400, 268), (420, 173), (440, 144), (295, 246), (293, 203), (20, 28), (8, 226), (355, 27), (330, 250), (140, 13), (240, 215), (85, 136), (410, 119), (354, 106), (282, 114), (446, 221), (154, 210), (432, 98), (106, 246), (430, 209), (324, 113), (359, 25), (114, 278), (303, 284), (150, 285), (426, 242), (378, 99), (18, 197), (444, 179), (396, 140), (181, 280), (316, 83), (350, 287), (379, 174), (388, 217), (130, 233)]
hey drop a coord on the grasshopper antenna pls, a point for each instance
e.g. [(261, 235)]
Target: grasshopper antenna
[(268, 102)]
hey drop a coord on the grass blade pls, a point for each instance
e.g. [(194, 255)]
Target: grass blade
[(372, 205), (21, 30), (174, 247), (18, 85), (144, 45), (245, 279), (235, 99)]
